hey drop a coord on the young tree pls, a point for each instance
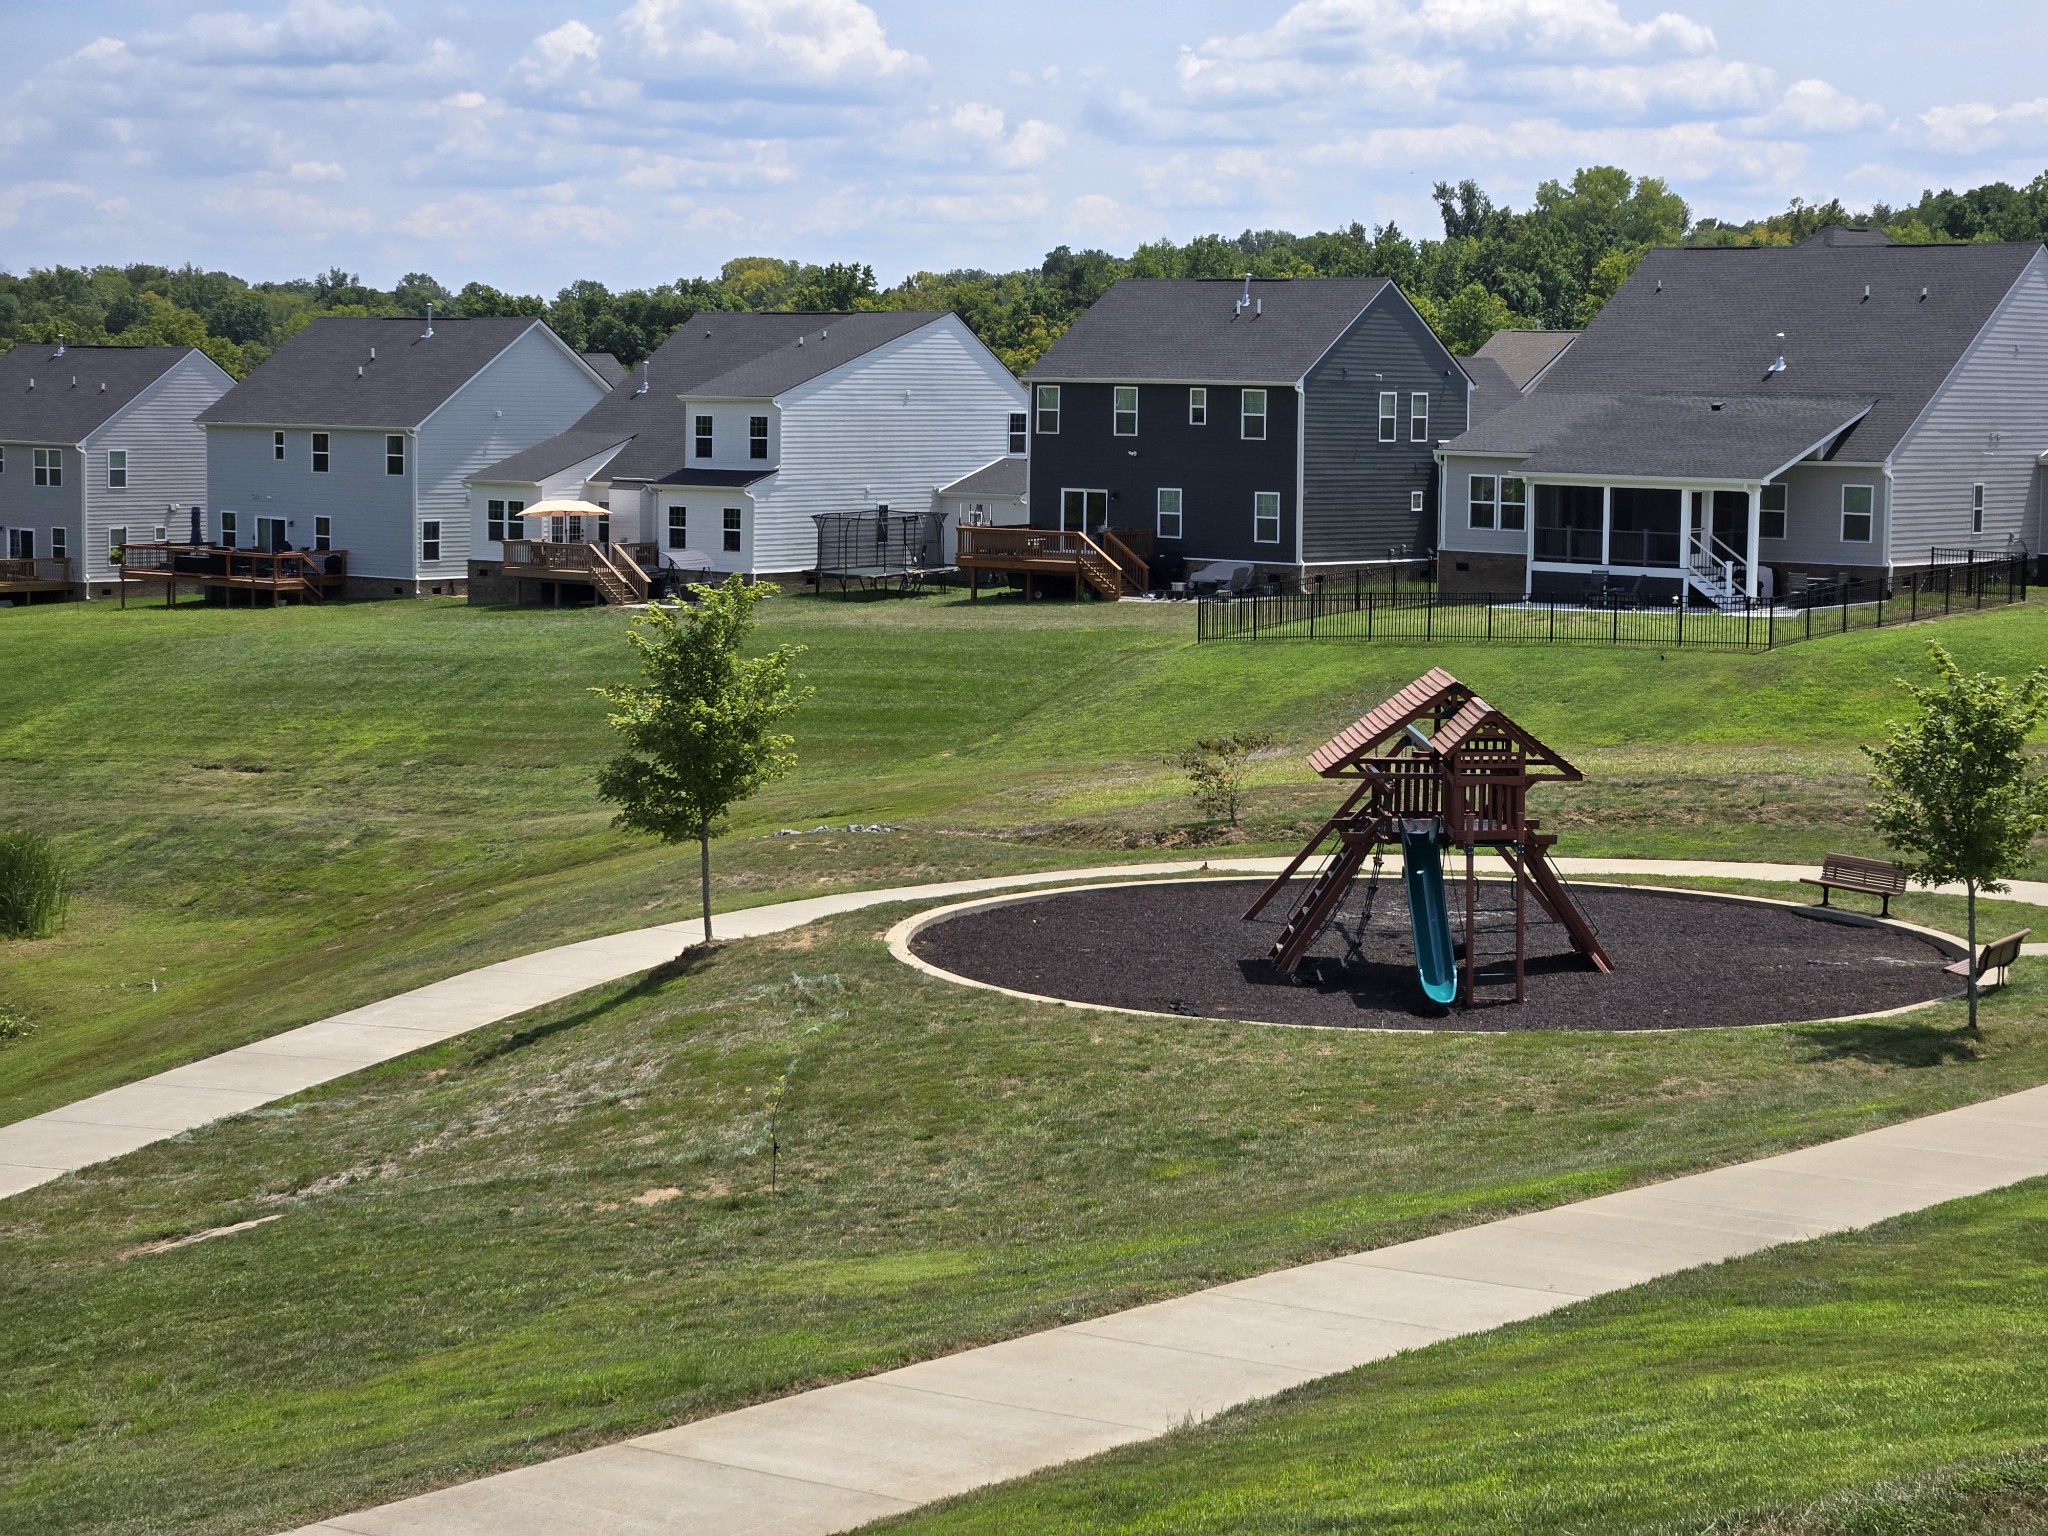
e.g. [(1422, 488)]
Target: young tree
[(1955, 796), (699, 727), (1216, 767)]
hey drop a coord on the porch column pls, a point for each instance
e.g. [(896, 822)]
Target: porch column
[(1756, 521), (1606, 523)]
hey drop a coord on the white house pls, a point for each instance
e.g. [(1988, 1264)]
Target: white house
[(743, 426), (97, 445), (359, 435)]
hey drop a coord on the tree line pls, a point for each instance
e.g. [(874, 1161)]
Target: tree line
[(1551, 264)]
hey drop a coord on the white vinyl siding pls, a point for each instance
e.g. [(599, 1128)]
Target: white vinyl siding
[(117, 469), (166, 466)]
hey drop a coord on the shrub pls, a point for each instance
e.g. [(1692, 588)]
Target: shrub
[(13, 1027), (1216, 766), (35, 886)]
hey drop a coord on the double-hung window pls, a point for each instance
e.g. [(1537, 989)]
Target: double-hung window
[(757, 437), (1770, 517), (1514, 501), (1020, 426), (1198, 407), (1265, 517), (230, 524), (678, 527), (732, 530), (1976, 509), (494, 521), (1418, 417), (515, 524), (323, 533), (1124, 410), (1390, 415), (1048, 410), (1857, 501), (1484, 503), (49, 466), (320, 453), (277, 445), (60, 543), (117, 471), (1252, 416), (394, 453), (430, 540), (1169, 512), (703, 437), (117, 540)]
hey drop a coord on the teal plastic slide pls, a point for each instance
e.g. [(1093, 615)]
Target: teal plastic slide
[(1422, 868)]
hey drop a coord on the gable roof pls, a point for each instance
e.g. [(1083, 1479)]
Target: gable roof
[(1706, 321), (560, 452), (77, 390), (1007, 476), (311, 381), (1524, 354), (1677, 437), (793, 349), (1492, 390), (1436, 692), (1189, 330), (1479, 718), (606, 367)]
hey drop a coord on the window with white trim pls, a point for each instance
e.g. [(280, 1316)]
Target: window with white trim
[(230, 525), (394, 453), (1123, 410), (430, 540), (703, 437), (1415, 501), (1514, 501), (323, 533), (1252, 416), (1048, 410), (48, 464), (1770, 517), (60, 543), (1390, 415), (1857, 502), (117, 540), (757, 437), (1976, 509), (1169, 512), (1020, 427), (320, 457), (678, 527), (117, 470), (277, 445), (494, 521), (160, 532), (515, 524), (1265, 517), (3, 461), (1418, 417), (1483, 505), (732, 530), (1198, 407)]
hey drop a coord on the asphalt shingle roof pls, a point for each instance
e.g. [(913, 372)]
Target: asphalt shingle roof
[(792, 349), (67, 403), (1189, 330), (535, 464), (605, 366), (311, 380), (1492, 390), (1524, 354), (1737, 437), (1006, 476)]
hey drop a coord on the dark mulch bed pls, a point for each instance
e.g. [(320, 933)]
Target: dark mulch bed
[(1681, 961)]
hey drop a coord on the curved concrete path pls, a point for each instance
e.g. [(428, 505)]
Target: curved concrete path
[(43, 1147)]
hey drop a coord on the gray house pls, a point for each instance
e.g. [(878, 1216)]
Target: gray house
[(1738, 418), (358, 435), (97, 445)]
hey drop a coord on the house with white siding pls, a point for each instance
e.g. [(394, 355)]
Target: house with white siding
[(1736, 421), (359, 436), (97, 445), (742, 427)]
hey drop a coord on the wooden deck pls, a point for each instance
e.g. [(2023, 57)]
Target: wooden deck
[(616, 573), (27, 578), (1109, 560), (303, 576)]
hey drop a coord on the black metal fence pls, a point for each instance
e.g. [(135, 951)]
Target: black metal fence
[(1819, 609)]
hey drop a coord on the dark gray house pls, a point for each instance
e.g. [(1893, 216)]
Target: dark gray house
[(1288, 423), (1735, 418)]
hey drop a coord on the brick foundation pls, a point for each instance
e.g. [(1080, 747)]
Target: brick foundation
[(1461, 570)]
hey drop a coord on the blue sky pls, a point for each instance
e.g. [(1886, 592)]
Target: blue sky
[(531, 143)]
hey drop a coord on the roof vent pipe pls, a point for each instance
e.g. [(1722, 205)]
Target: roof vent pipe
[(427, 335), (1923, 294), (359, 370), (1778, 366), (1258, 308), (644, 385), (74, 381), (373, 354), (1866, 293), (60, 343), (799, 341)]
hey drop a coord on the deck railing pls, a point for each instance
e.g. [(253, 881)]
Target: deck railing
[(50, 568)]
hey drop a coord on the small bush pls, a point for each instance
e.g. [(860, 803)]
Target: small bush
[(35, 886), (13, 1027), (1216, 766)]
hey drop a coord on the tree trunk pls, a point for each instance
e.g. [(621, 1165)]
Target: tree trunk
[(1970, 888), (704, 848)]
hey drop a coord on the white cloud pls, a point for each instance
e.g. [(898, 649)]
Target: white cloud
[(974, 130), (554, 55), (1968, 126), (1696, 84), (309, 32), (773, 44), (317, 170), (1814, 106)]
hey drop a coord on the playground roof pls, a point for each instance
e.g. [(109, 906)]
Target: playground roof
[(1435, 692), (1477, 716)]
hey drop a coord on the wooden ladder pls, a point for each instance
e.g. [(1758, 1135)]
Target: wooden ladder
[(1318, 903), (1552, 895)]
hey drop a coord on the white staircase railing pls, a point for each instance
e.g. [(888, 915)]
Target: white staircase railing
[(1711, 566)]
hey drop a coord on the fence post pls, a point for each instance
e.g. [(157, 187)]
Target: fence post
[(1845, 607), (1429, 615), (1614, 631), (1913, 612), (1553, 621), (1489, 619), (1809, 621)]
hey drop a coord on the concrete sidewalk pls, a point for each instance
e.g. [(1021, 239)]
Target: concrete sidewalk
[(838, 1457), (110, 1124)]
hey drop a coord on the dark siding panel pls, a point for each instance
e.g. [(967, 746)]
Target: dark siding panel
[(1356, 488), (1216, 470)]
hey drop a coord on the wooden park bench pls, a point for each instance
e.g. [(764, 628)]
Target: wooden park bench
[(1848, 872), (1993, 958)]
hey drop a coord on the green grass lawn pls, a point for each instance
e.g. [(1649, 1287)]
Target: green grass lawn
[(277, 815), (1765, 1395)]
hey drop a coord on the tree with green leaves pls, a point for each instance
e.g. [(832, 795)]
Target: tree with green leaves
[(699, 728), (1957, 797)]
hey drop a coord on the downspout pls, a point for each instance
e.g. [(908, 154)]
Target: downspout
[(1890, 489), (412, 443), (1300, 483)]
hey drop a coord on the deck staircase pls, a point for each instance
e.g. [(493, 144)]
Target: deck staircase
[(1714, 570)]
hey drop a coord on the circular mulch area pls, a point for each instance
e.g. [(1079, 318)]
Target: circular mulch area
[(1682, 961)]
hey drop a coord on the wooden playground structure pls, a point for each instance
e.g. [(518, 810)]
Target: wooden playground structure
[(1435, 766)]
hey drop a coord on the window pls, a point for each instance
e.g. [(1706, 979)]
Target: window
[(1048, 410), (757, 437), (1265, 517), (60, 543), (604, 529), (117, 472), (228, 526), (1169, 513), (117, 540), (49, 466), (1198, 407), (1390, 415), (1019, 425), (732, 530), (3, 461), (1418, 418), (394, 453), (703, 437), (323, 533), (277, 445), (1415, 501), (1856, 504), (678, 528), (1252, 416), (430, 540), (319, 453), (21, 543), (515, 525), (1124, 410), (1976, 509), (159, 533), (1771, 513), (1514, 502), (1484, 502), (494, 521)]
